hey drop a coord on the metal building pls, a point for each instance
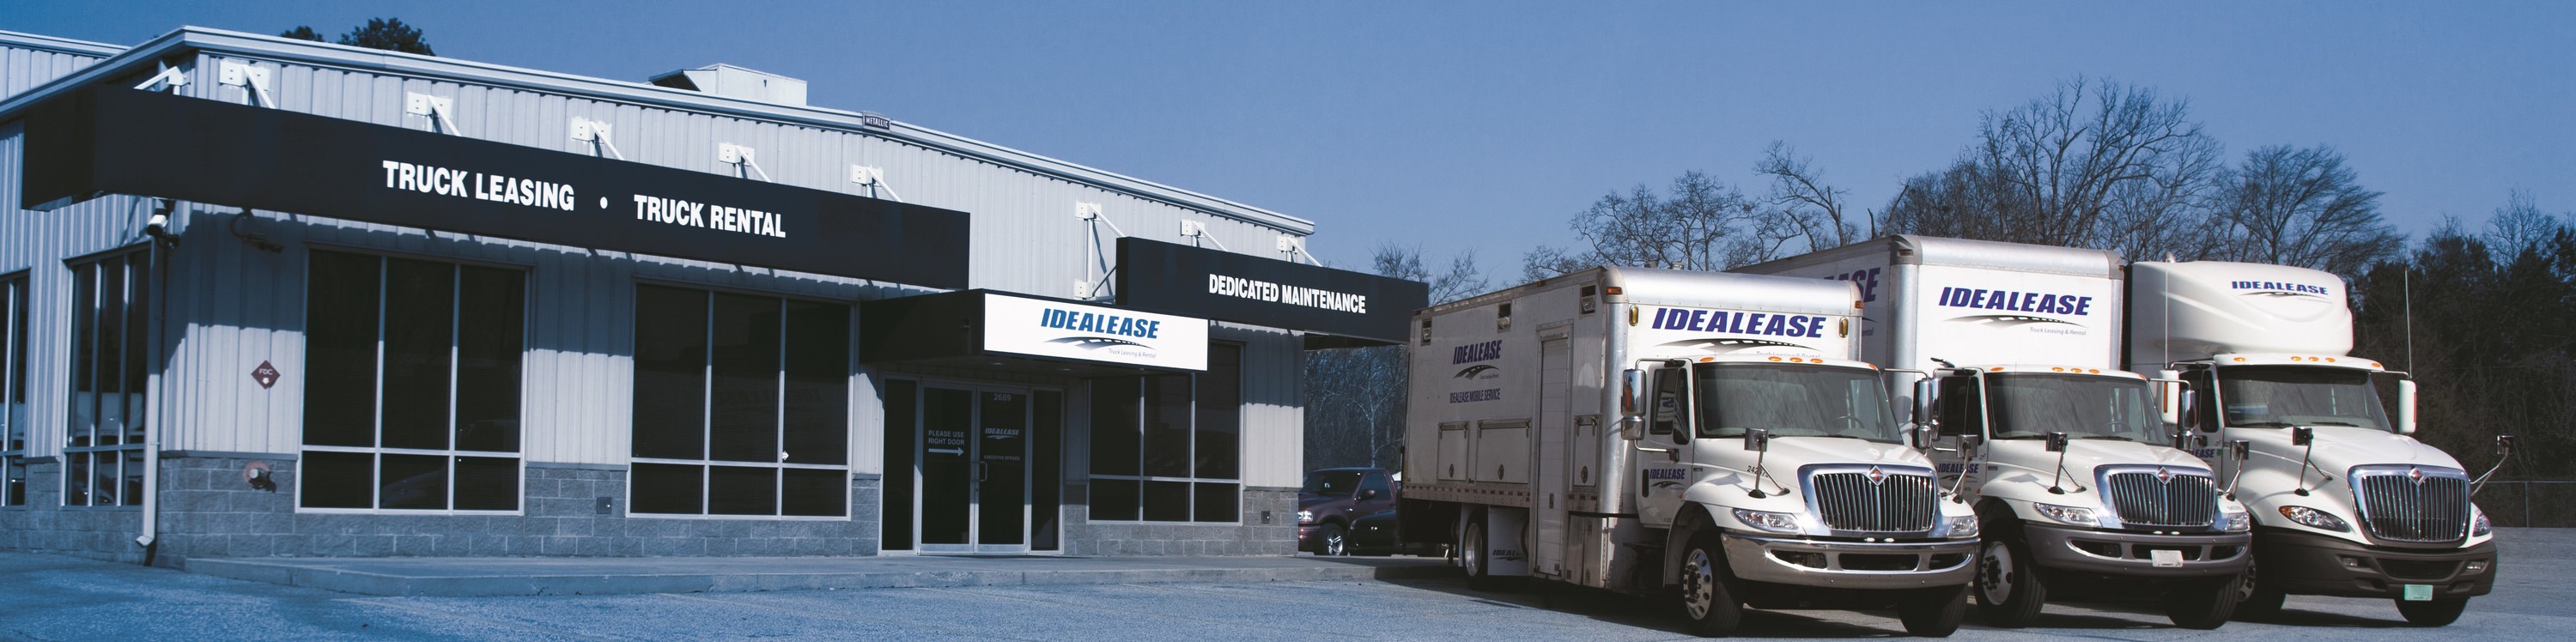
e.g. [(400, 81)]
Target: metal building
[(273, 297)]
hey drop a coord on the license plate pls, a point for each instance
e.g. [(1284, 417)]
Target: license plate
[(2419, 592), (2165, 558)]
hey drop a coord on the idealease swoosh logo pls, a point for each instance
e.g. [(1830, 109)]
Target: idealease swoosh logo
[(2011, 320), (1471, 372), (1099, 343)]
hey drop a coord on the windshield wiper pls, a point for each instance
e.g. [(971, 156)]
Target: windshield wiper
[(2103, 437), (2334, 423), (2261, 424)]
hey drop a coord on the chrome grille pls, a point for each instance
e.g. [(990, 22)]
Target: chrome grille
[(1897, 503), (2406, 508), (2141, 499)]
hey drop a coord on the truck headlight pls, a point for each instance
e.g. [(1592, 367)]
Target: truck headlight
[(2235, 522), (2478, 524), (2076, 515), (2316, 519), (1961, 526), (1767, 520), (1305, 517)]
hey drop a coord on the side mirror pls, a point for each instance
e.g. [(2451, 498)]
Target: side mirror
[(2302, 435), (1757, 440), (2405, 406), (1926, 392), (2057, 442), (1968, 443), (2504, 446), (2172, 401), (1368, 493), (1632, 428), (1632, 396)]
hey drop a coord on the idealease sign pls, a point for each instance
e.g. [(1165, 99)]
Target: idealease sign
[(110, 140), (1226, 286)]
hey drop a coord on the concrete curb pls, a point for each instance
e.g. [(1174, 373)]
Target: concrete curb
[(425, 578)]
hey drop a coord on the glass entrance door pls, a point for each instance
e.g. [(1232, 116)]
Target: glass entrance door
[(975, 478)]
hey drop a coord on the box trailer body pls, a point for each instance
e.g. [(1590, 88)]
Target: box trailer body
[(1530, 447), (2021, 401), (2345, 501)]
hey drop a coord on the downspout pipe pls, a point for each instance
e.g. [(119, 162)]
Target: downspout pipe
[(155, 386)]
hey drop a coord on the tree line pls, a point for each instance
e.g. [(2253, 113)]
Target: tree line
[(2483, 315)]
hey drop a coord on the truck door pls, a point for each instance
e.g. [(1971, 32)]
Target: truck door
[(1661, 461)]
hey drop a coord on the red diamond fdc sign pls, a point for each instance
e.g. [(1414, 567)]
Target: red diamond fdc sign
[(265, 374)]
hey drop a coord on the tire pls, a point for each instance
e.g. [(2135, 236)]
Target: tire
[(2009, 587), (1934, 612), (2434, 613), (2203, 603), (2257, 599), (1710, 610), (1472, 556), (1332, 540)]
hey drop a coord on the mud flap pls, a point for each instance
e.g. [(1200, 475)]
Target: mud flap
[(1507, 541)]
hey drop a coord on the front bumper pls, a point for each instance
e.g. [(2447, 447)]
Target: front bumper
[(2308, 564), (1858, 565), (2126, 553), (1307, 539)]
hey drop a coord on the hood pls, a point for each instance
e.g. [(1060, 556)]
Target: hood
[(1793, 453), (2339, 448), (1306, 501), (2031, 456)]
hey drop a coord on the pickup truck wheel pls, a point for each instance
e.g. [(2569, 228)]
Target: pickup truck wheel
[(1331, 540), (2203, 603), (2433, 613), (1934, 612), (2009, 589), (2256, 599), (1713, 612)]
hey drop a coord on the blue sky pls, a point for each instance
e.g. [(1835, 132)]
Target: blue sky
[(1484, 126)]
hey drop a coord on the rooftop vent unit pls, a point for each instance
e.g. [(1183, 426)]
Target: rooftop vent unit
[(736, 82)]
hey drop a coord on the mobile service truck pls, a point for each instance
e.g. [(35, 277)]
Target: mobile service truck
[(2345, 501), (2068, 461), (1666, 433)]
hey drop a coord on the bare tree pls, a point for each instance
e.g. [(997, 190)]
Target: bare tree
[(1698, 224), (2092, 164), (2521, 224), (1800, 196), (2301, 207), (1355, 397)]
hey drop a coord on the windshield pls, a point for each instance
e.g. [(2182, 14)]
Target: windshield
[(1792, 401), (1331, 483), (2029, 406), (2283, 396)]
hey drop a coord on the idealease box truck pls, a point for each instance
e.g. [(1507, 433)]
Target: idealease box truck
[(1696, 435), (2067, 459), (2345, 501)]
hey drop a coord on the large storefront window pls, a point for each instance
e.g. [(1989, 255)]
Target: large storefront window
[(741, 405), (103, 443), (13, 390), (1167, 448), (412, 384)]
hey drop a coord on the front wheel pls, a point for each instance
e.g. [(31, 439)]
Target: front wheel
[(1934, 612), (2433, 613), (2203, 604), (2009, 589), (2257, 598), (1713, 612), (1332, 540)]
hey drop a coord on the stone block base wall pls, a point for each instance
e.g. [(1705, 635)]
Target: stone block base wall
[(1248, 536), (207, 510)]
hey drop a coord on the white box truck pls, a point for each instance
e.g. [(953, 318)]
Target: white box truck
[(1667, 433), (2071, 468), (2345, 502)]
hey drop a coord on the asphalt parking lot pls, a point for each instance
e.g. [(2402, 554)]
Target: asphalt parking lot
[(56, 598)]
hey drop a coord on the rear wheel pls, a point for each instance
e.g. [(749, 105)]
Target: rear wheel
[(2203, 603), (2433, 613), (2009, 589), (1712, 611), (2255, 597), (1332, 540), (1934, 612), (1471, 556)]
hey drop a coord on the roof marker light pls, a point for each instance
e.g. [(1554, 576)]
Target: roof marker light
[(1775, 358)]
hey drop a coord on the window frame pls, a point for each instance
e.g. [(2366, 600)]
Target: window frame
[(130, 450), (16, 414), (456, 294), (778, 498), (1144, 445)]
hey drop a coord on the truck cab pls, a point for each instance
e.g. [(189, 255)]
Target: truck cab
[(1782, 481), (2345, 501), (2075, 482)]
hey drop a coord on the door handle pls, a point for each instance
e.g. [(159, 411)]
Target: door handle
[(983, 471)]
